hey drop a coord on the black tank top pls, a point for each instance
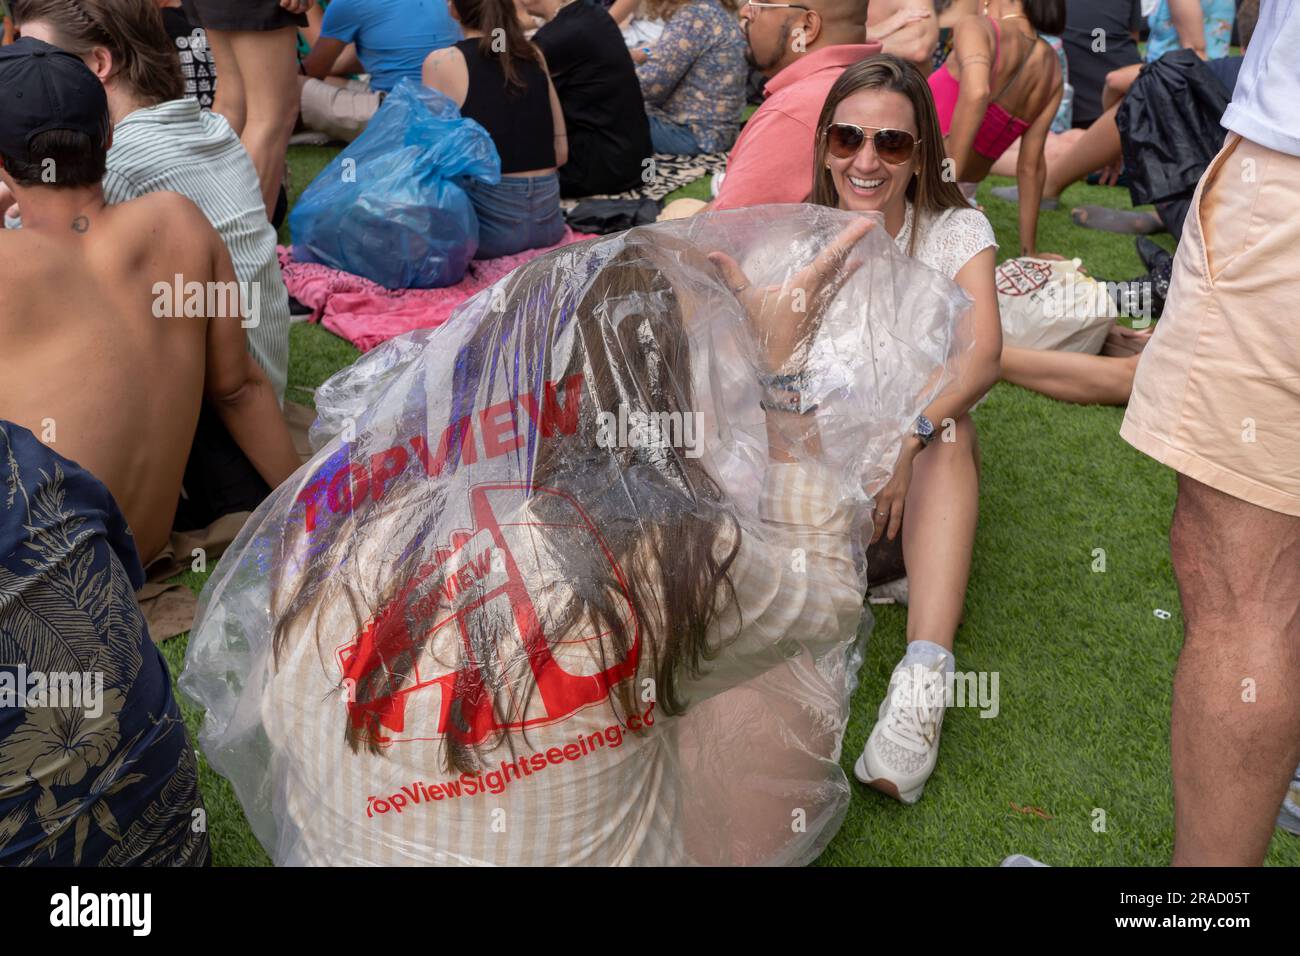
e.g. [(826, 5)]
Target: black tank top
[(518, 118)]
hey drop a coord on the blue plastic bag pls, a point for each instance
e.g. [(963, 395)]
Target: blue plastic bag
[(388, 207)]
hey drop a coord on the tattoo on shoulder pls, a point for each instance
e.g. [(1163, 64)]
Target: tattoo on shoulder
[(80, 224)]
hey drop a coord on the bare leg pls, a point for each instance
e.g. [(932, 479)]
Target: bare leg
[(1235, 735), (939, 534), (229, 98), (1098, 146), (1071, 376), (1056, 147), (269, 70)]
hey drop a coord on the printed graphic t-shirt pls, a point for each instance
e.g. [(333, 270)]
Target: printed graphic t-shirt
[(197, 64)]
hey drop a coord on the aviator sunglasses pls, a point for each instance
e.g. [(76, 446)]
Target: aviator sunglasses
[(893, 146)]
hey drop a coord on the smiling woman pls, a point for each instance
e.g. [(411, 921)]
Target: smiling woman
[(879, 149)]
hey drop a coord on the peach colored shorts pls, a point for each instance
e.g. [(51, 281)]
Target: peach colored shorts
[(1217, 390)]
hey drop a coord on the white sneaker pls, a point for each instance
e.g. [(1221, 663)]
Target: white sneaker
[(904, 745)]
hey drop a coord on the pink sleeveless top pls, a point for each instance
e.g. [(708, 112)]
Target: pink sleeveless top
[(998, 129)]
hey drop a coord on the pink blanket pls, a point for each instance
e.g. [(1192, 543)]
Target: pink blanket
[(367, 314)]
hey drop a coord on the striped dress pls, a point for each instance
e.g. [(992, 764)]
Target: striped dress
[(178, 147)]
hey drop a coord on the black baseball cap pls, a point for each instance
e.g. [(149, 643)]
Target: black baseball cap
[(43, 88)]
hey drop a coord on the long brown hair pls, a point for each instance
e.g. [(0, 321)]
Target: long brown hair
[(929, 192), (144, 57), (663, 518), (496, 19)]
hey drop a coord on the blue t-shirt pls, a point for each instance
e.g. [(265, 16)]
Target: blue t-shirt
[(392, 36), (1217, 16)]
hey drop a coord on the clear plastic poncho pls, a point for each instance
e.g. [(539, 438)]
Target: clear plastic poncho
[(578, 577)]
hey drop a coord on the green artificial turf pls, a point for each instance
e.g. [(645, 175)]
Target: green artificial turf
[(1084, 665)]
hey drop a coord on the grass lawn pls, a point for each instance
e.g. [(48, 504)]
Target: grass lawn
[(1085, 667)]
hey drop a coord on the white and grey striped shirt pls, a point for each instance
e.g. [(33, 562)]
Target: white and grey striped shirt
[(177, 147)]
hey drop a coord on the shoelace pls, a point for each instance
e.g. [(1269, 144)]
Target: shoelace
[(912, 724)]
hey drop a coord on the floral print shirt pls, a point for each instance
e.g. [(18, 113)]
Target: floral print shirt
[(1218, 17), (695, 74), (96, 768)]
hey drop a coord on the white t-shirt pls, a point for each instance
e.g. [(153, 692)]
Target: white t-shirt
[(949, 240), (1264, 105)]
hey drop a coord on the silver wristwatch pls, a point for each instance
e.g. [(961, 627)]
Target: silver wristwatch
[(924, 430)]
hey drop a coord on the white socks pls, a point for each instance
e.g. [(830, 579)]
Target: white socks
[(927, 653)]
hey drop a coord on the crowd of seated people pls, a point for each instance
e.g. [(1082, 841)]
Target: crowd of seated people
[(170, 133), (1190, 139), (100, 401)]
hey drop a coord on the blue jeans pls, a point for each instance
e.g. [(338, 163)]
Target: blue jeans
[(669, 137), (520, 212)]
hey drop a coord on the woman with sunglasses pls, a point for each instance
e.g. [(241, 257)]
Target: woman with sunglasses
[(879, 150)]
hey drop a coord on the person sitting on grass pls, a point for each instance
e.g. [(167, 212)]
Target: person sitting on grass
[(1002, 82), (99, 398), (163, 140), (500, 80), (879, 149), (391, 38), (120, 388), (693, 77), (595, 79), (1100, 146), (602, 642), (1107, 379)]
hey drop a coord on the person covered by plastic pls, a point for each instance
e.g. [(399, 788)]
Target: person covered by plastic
[(577, 577)]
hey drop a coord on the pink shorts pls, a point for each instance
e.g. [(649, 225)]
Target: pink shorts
[(1217, 390)]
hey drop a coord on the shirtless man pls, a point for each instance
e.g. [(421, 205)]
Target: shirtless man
[(85, 364)]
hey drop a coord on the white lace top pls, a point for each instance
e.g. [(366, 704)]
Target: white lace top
[(949, 240)]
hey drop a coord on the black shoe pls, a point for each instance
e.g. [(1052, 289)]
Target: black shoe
[(1151, 253), (281, 209)]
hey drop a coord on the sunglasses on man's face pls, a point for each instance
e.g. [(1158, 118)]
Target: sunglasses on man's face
[(893, 146), (759, 7)]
